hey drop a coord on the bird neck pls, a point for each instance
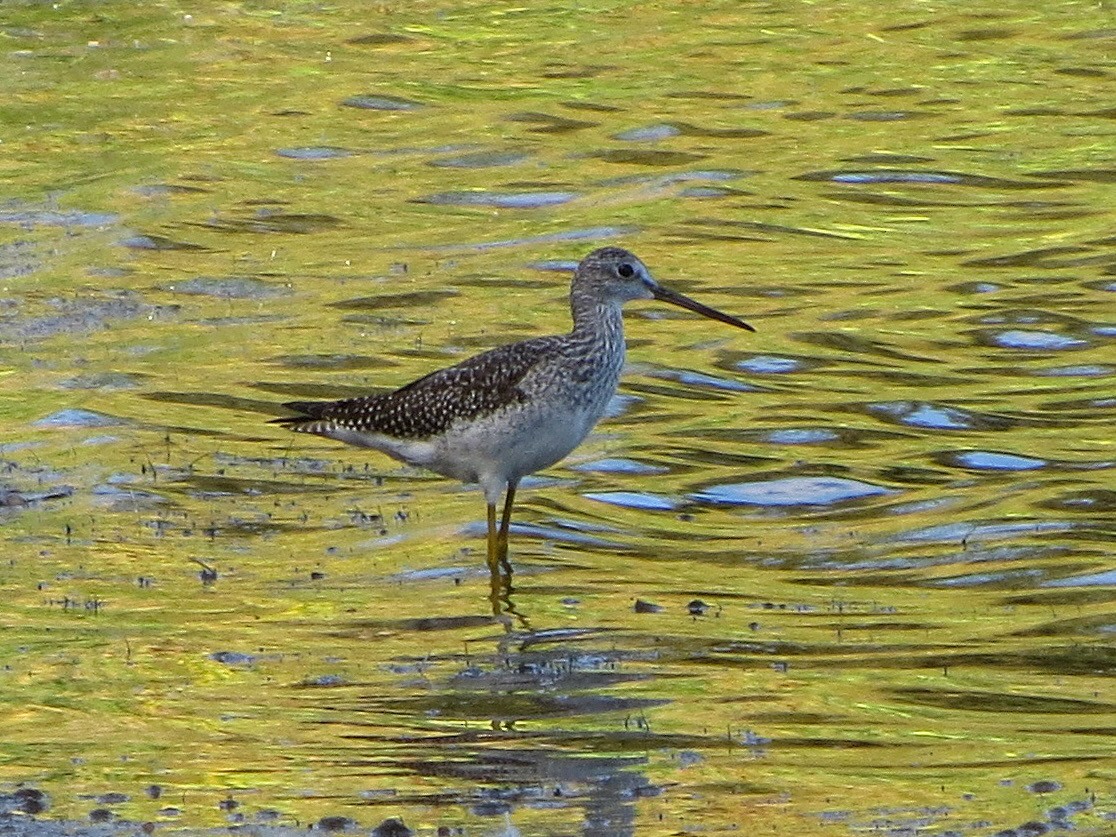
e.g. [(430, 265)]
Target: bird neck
[(597, 319)]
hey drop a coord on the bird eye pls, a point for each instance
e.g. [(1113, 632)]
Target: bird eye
[(625, 270)]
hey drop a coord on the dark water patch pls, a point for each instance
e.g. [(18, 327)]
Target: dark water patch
[(269, 221), (339, 362), (161, 243), (983, 701), (811, 115), (124, 498), (1094, 370), (790, 492), (774, 364), (986, 33), (234, 320), (1076, 599), (80, 418), (482, 160), (690, 130), (1082, 626), (436, 574), (334, 823), (384, 322), (593, 107), (994, 579), (922, 177), (1083, 501), (772, 104), (209, 486), (426, 624), (933, 416), (233, 658), (984, 460), (790, 434), (11, 498), (545, 123), (618, 465), (701, 379), (557, 534), (1097, 175), (1089, 35), (417, 300), (154, 190), (372, 101), (19, 258), (376, 39), (641, 500), (798, 436), (684, 176), (710, 95), (516, 706), (1028, 340), (24, 801), (229, 287), (500, 200), (883, 157), (1045, 258), (539, 776), (647, 157), (1087, 408), (279, 464), (702, 192), (1105, 578), (107, 381), (888, 115), (967, 554), (1036, 111), (560, 667), (648, 133), (314, 152), (111, 272), (32, 217), (560, 70), (962, 533)]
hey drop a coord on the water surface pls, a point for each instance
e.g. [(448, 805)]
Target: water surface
[(851, 573)]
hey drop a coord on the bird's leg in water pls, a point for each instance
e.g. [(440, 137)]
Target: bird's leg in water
[(505, 523), (493, 557)]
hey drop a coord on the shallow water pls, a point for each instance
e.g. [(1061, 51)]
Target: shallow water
[(851, 573)]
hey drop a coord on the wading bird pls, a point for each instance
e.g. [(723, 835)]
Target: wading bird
[(515, 409)]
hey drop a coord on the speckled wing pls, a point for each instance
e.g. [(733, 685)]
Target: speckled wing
[(429, 406)]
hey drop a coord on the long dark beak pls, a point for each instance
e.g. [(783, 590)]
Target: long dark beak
[(675, 298)]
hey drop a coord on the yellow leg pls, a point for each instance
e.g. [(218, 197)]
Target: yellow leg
[(493, 549), (505, 522), (499, 569)]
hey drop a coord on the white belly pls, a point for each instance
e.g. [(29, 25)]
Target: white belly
[(510, 447)]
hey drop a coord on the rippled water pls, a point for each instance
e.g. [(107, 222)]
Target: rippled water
[(851, 573)]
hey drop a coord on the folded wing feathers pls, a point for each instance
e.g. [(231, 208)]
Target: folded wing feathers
[(427, 407)]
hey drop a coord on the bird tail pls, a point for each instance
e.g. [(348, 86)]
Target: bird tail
[(307, 411)]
